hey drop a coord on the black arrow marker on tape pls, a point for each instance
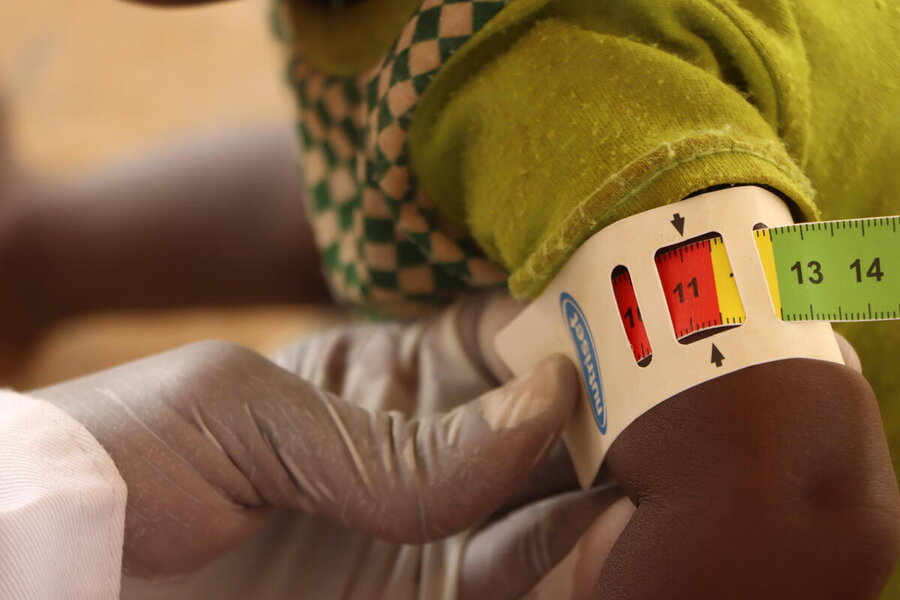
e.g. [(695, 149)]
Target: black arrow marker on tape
[(717, 356), (678, 223)]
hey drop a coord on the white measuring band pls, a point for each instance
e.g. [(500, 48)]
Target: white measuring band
[(577, 315)]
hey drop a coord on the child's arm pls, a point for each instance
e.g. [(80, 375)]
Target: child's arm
[(217, 220), (772, 482)]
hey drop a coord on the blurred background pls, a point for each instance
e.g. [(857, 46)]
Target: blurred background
[(87, 82)]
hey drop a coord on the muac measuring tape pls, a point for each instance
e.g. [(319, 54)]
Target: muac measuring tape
[(667, 299), (831, 271)]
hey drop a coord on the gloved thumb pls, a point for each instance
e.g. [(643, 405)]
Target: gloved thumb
[(409, 480), (567, 537)]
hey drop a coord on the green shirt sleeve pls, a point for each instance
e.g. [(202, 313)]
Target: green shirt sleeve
[(563, 116)]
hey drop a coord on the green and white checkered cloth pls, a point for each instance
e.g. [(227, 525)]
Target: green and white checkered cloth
[(384, 245)]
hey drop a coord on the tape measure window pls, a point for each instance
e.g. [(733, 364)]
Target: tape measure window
[(630, 312), (701, 293)]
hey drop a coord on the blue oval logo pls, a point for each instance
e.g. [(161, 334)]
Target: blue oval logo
[(587, 356)]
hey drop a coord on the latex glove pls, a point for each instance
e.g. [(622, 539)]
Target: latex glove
[(208, 436), (212, 436)]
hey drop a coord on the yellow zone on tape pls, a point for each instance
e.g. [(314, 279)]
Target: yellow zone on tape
[(767, 255), (729, 299)]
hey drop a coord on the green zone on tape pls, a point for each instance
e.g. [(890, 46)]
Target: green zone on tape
[(834, 270)]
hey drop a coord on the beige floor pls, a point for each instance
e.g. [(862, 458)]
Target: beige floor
[(86, 81)]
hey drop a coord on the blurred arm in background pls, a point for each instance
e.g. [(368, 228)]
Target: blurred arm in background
[(219, 219)]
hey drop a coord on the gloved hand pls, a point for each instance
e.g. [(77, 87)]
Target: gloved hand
[(373, 440), (434, 365)]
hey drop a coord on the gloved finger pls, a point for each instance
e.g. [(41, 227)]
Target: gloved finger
[(407, 480), (507, 559), (554, 475), (481, 318), (582, 568), (392, 366), (361, 363)]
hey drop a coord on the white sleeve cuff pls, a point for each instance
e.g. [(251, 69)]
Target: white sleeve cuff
[(62, 506)]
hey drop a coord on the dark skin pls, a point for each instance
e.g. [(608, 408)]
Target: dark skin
[(740, 494), (772, 482)]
